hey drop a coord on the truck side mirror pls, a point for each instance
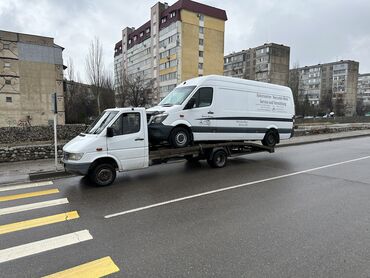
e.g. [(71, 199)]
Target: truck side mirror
[(110, 132), (190, 104)]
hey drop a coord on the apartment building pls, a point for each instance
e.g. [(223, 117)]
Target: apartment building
[(327, 85), (179, 42), (118, 63), (31, 69), (267, 63), (363, 89)]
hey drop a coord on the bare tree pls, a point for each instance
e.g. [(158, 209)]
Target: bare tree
[(107, 91), (294, 86), (134, 91), (95, 68), (70, 70)]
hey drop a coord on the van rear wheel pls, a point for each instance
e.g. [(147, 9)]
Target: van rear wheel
[(270, 139), (180, 137), (103, 174)]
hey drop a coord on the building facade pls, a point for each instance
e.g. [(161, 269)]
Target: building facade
[(267, 63), (31, 69), (179, 42), (363, 89), (327, 86)]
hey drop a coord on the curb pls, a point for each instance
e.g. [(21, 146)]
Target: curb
[(36, 176), (323, 140)]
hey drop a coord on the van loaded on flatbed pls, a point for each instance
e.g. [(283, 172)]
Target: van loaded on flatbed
[(210, 118)]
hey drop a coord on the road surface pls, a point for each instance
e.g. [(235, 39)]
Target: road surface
[(303, 211)]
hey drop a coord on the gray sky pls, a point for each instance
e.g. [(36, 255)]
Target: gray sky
[(317, 31)]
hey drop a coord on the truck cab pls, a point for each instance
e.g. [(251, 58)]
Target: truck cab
[(116, 140)]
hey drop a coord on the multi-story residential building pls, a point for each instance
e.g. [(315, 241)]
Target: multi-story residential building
[(118, 63), (363, 89), (31, 69), (179, 42), (327, 85), (267, 63)]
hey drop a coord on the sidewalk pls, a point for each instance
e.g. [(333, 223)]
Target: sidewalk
[(18, 172)]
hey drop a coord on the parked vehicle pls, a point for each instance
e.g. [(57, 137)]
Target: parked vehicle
[(219, 108), (118, 141)]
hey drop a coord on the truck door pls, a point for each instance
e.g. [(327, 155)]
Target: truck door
[(128, 141), (201, 113)]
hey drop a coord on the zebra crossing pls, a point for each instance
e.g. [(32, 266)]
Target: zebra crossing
[(26, 193)]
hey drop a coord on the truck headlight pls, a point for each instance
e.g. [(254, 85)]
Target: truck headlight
[(159, 118), (75, 156)]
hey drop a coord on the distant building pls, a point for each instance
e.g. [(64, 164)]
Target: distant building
[(179, 42), (267, 63), (31, 69), (363, 89), (325, 86)]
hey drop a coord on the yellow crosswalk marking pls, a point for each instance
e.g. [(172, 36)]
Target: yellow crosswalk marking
[(97, 268), (28, 195), (37, 222)]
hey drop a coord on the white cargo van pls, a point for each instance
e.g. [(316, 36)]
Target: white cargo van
[(219, 108)]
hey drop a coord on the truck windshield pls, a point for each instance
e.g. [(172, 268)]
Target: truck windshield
[(177, 96), (101, 122)]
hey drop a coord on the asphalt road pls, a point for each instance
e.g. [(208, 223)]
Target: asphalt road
[(303, 211)]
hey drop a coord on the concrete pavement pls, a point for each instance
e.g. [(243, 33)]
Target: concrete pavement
[(300, 212)]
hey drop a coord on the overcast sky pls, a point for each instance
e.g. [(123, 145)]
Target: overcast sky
[(317, 31)]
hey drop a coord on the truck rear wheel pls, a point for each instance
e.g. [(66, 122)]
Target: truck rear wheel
[(103, 174), (218, 160), (180, 137), (271, 138)]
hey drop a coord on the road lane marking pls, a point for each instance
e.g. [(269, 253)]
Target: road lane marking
[(37, 222), (28, 195), (233, 187), (97, 268), (44, 245), (25, 185), (33, 206)]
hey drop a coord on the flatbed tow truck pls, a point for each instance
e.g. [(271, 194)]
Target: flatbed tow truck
[(107, 147)]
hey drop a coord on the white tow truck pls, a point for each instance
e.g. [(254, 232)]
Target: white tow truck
[(118, 141)]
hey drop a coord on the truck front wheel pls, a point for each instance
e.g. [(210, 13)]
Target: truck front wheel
[(103, 174)]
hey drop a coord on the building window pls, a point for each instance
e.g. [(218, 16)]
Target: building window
[(8, 99), (201, 17), (201, 30), (164, 19), (201, 42), (147, 30), (172, 14), (6, 45), (8, 82), (7, 65), (135, 38), (200, 66), (129, 41), (141, 34), (201, 53)]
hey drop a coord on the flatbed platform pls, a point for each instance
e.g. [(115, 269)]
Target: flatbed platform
[(201, 149)]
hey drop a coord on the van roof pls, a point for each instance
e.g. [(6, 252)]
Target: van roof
[(203, 79)]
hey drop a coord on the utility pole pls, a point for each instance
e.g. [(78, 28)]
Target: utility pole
[(54, 105)]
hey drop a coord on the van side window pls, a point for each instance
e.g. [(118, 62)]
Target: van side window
[(203, 97), (127, 123)]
